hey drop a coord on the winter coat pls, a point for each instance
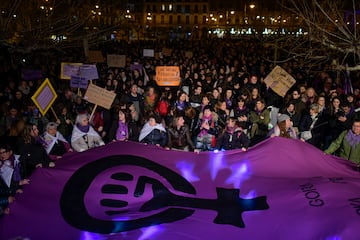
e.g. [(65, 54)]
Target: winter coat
[(232, 140), (179, 139), (345, 150), (81, 141)]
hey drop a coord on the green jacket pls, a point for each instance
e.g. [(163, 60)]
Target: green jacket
[(345, 150), (260, 122)]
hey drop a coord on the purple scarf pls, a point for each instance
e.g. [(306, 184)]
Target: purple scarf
[(122, 131), (203, 119), (84, 129), (352, 139)]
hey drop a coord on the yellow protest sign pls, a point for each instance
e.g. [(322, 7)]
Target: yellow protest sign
[(44, 97), (168, 75), (279, 81)]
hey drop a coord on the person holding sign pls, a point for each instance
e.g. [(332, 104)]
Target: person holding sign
[(84, 136)]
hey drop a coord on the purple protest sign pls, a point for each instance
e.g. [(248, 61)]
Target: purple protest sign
[(279, 189), (137, 66), (44, 96), (79, 82), (89, 71)]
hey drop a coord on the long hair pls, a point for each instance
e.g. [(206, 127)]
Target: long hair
[(283, 129), (26, 134)]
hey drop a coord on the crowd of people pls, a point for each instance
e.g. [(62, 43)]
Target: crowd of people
[(222, 103)]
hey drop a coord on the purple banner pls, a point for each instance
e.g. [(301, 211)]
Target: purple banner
[(279, 189)]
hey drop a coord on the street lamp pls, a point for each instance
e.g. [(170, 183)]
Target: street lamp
[(251, 6)]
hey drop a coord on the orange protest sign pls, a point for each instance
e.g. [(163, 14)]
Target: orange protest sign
[(168, 76)]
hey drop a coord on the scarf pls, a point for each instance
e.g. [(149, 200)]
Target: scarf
[(230, 130), (203, 119), (77, 133), (84, 129), (122, 131), (352, 139), (51, 140), (147, 129), (10, 169)]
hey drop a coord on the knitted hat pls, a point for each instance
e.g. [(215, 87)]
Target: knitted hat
[(282, 117)]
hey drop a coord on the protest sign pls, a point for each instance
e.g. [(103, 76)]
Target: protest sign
[(79, 82), (168, 75), (279, 81), (148, 52), (99, 96), (88, 71), (114, 60), (44, 96), (69, 69)]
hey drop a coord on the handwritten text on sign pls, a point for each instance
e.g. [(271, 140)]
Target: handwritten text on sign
[(279, 81), (168, 76), (99, 96)]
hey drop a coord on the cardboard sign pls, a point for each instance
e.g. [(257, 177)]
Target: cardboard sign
[(79, 82), (44, 97), (168, 76), (148, 52), (95, 56), (99, 96), (279, 81), (114, 60), (69, 69)]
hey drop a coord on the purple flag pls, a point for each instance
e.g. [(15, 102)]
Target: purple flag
[(279, 189)]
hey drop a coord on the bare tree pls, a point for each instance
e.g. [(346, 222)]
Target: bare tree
[(332, 32)]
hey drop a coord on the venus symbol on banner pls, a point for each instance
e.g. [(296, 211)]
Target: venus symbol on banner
[(161, 206)]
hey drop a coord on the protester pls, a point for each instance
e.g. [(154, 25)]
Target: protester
[(84, 136), (232, 137), (208, 129), (55, 143), (179, 137), (312, 126), (153, 132), (347, 145), (260, 119), (10, 171), (119, 130), (32, 152), (284, 128)]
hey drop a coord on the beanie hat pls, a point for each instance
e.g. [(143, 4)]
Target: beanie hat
[(282, 117)]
